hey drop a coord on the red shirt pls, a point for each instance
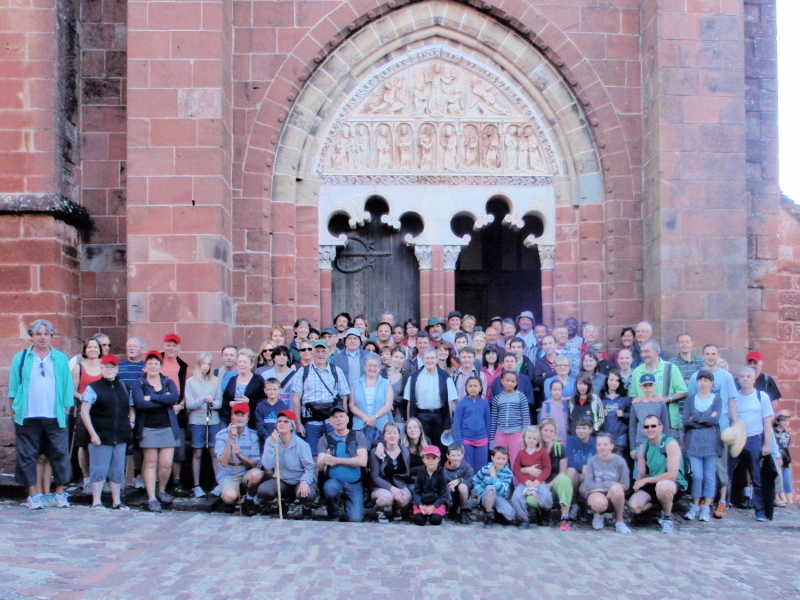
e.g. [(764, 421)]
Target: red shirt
[(540, 459)]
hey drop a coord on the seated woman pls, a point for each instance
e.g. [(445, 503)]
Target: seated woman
[(390, 475), (606, 477)]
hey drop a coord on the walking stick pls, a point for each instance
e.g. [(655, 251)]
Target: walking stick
[(278, 479), (238, 483)]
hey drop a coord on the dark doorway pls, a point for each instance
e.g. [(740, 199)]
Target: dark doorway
[(376, 271), (496, 274)]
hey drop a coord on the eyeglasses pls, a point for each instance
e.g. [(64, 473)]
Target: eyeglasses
[(649, 426), (306, 349)]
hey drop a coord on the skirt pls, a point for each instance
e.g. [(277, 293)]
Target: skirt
[(160, 437)]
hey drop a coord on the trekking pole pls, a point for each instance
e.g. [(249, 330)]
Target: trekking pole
[(238, 483), (278, 479)]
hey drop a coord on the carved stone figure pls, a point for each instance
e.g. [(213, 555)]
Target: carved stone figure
[(389, 100), (427, 136), (491, 147), (405, 140), (340, 159), (535, 161), (486, 99), (383, 146), (453, 94), (471, 147), (510, 148), (419, 94), (362, 148), (449, 142)]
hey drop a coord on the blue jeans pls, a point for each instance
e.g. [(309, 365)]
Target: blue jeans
[(314, 432), (477, 456), (787, 480), (751, 457), (704, 476), (353, 499)]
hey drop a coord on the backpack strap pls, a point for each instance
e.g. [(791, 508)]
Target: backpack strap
[(21, 363)]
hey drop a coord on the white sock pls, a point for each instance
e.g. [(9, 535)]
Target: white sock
[(748, 491), (87, 481)]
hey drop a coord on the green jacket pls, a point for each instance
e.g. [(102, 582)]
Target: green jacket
[(18, 388)]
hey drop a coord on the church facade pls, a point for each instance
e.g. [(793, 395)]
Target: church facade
[(214, 167)]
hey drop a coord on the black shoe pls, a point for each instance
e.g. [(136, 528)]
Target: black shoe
[(463, 518), (523, 525), (249, 507), (308, 514), (488, 520), (177, 490)]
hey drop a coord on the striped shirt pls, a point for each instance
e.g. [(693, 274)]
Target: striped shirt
[(510, 413)]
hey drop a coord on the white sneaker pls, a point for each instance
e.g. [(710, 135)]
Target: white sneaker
[(692, 512), (138, 482), (667, 525), (622, 527), (61, 500), (216, 492), (705, 513), (199, 492), (598, 521), (34, 502)]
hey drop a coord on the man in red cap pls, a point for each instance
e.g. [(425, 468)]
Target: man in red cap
[(298, 473), (238, 451), (765, 383), (175, 368)]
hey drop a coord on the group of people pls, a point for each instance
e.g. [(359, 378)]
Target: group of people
[(512, 418)]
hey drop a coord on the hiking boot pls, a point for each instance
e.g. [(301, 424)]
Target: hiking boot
[(488, 520), (667, 526), (694, 509), (598, 521), (622, 527), (308, 513), (463, 518), (720, 512), (705, 513), (154, 506), (34, 502), (565, 526), (138, 482), (61, 500), (165, 498)]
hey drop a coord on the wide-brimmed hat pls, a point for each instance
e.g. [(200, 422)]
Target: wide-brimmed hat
[(433, 321), (735, 436), (526, 314)]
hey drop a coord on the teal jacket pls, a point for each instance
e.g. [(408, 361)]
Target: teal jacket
[(18, 388)]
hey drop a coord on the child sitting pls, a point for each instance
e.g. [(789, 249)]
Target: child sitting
[(471, 424), (531, 468), (458, 473), (430, 491), (268, 409), (493, 486)]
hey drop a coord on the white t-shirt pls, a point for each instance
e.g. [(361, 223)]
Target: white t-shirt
[(752, 409)]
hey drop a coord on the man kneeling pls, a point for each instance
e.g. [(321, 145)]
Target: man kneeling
[(661, 479), (298, 475), (238, 450)]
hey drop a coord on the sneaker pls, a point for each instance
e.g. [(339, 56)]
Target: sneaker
[(694, 509), (488, 520), (382, 518), (705, 513), (48, 500), (565, 526), (249, 507), (138, 482), (61, 500), (216, 492), (34, 502), (463, 518), (598, 521), (524, 525), (622, 527), (720, 512), (573, 512), (177, 489), (165, 498), (199, 492), (667, 525), (308, 514), (154, 506), (660, 518), (761, 519)]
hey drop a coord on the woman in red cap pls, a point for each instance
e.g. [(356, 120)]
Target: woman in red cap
[(107, 413), (154, 395)]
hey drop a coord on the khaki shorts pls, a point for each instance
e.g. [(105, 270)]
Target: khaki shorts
[(229, 483)]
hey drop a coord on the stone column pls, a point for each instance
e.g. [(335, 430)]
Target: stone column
[(424, 256), (450, 258), (179, 171), (547, 261), (327, 254)]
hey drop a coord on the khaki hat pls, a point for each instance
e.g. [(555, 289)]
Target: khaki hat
[(735, 436)]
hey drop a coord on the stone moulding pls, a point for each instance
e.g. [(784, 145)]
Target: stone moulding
[(56, 205)]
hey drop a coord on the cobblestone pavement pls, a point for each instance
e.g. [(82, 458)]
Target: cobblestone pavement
[(85, 553)]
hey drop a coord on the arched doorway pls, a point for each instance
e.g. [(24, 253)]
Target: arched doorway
[(375, 271), (497, 274)]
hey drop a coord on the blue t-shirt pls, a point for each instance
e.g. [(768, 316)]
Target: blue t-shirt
[(578, 452), (617, 426), (343, 472)]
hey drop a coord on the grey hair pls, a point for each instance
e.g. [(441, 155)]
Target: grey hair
[(588, 326), (649, 325), (372, 356), (430, 350), (99, 335), (651, 342), (746, 368), (139, 341), (38, 324)]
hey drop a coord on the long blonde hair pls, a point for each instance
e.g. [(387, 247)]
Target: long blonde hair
[(198, 369), (421, 443)]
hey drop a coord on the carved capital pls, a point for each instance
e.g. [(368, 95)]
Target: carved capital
[(451, 256), (327, 254), (547, 256), (423, 254)]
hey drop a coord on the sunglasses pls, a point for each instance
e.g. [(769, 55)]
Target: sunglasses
[(306, 349), (41, 366), (649, 426), (266, 350)]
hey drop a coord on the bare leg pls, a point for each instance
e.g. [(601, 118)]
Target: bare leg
[(197, 457), (97, 490), (149, 471), (115, 488), (165, 466)]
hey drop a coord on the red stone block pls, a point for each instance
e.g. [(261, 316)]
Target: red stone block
[(206, 73), (170, 74), (174, 16), (152, 103), (179, 308), (204, 45), (150, 220), (198, 219), (15, 278), (289, 38), (151, 277), (198, 161), (565, 18), (170, 190), (151, 161), (148, 44), (173, 132), (172, 248), (605, 20), (273, 14)]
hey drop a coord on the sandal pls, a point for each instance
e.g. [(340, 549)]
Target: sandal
[(120, 506), (99, 506)]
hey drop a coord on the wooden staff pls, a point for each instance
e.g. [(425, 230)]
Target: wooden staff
[(238, 481), (278, 477)]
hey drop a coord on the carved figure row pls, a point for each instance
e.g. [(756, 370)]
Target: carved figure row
[(475, 146)]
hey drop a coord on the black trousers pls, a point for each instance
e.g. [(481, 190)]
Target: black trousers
[(42, 436)]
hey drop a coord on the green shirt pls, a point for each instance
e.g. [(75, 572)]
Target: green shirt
[(656, 458), (676, 386)]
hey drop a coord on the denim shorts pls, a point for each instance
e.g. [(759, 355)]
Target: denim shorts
[(198, 433)]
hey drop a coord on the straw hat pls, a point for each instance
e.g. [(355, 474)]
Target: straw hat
[(735, 436)]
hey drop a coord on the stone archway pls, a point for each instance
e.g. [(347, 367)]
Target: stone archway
[(425, 111)]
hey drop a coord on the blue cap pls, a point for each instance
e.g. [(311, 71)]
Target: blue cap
[(647, 378)]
